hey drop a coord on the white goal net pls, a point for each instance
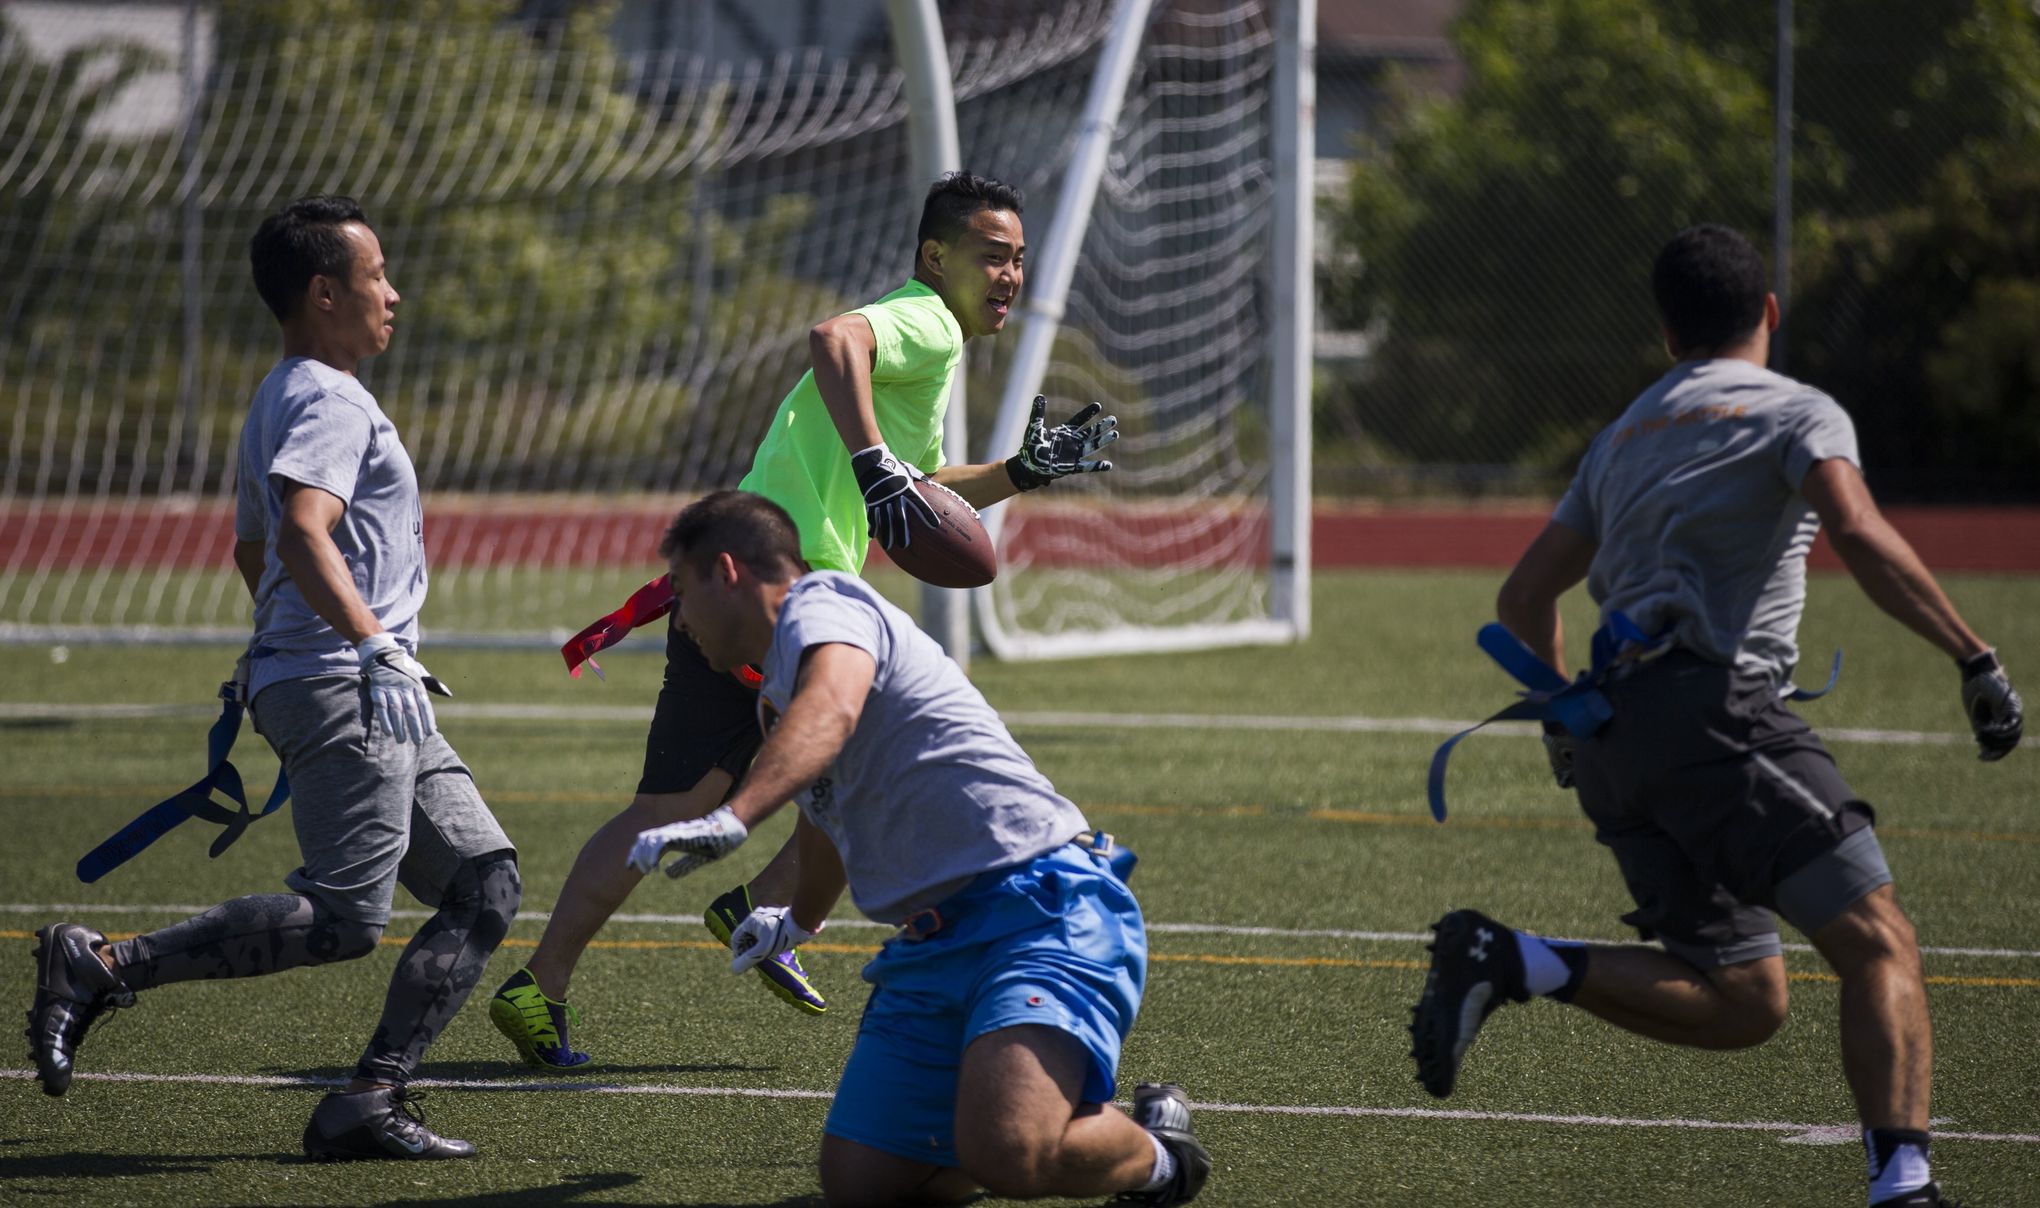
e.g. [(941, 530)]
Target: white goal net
[(612, 227)]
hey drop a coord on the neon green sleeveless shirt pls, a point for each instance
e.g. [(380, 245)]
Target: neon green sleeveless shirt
[(802, 465)]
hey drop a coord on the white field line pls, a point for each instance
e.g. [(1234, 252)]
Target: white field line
[(1019, 718), (66, 910), (1801, 1134)]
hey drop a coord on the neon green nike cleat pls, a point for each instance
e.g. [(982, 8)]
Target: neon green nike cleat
[(783, 974), (537, 1025)]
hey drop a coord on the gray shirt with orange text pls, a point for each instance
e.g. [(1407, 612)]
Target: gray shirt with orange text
[(1693, 498)]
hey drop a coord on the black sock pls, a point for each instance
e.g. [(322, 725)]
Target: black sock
[(1575, 958)]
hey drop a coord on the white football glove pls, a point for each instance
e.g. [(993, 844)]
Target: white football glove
[(765, 933), (398, 686), (699, 840), (1996, 714)]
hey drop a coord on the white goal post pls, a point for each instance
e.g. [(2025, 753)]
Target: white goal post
[(1188, 571)]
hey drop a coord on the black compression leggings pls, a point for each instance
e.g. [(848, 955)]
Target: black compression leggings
[(270, 932)]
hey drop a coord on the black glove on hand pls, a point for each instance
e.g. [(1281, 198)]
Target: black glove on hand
[(1047, 454), (1996, 714), (1559, 747), (890, 499)]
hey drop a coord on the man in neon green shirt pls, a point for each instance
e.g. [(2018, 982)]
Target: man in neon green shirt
[(840, 457)]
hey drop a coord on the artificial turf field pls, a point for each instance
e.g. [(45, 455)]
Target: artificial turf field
[(1287, 863)]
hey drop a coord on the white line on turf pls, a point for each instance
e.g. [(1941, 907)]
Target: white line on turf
[(67, 909), (1020, 718), (1801, 1134)]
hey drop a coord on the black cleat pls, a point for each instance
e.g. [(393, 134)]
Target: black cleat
[(73, 987), (1475, 967), (1164, 1110), (385, 1122), (1925, 1197)]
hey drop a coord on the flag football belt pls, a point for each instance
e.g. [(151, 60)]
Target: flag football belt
[(1097, 844), (646, 604), (1577, 706), (194, 802)]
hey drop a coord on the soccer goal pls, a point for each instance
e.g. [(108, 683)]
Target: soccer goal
[(612, 230)]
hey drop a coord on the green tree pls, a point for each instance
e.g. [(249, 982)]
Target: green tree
[(1504, 237), (1923, 322), (540, 221)]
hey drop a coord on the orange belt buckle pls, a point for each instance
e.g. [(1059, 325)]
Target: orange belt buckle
[(922, 924)]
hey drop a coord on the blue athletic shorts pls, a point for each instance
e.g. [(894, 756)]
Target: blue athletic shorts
[(1057, 941)]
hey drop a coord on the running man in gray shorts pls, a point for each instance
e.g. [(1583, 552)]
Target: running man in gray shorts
[(329, 538), (1692, 516)]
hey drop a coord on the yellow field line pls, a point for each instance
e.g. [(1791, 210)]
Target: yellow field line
[(1292, 962), (1379, 819), (1359, 817), (1194, 958), (1374, 818)]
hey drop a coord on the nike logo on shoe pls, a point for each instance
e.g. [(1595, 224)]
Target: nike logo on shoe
[(410, 1143)]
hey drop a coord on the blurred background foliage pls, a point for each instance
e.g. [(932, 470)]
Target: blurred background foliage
[(1495, 243)]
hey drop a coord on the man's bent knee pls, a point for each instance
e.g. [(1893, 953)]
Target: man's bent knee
[(498, 892), (1757, 999), (337, 939), (1871, 931)]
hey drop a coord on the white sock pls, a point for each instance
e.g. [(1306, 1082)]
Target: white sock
[(1907, 1170), (1543, 972), (1165, 1166)]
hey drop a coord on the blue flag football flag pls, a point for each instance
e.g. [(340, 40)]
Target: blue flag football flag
[(194, 802)]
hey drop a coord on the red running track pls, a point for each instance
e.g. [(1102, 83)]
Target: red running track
[(54, 538)]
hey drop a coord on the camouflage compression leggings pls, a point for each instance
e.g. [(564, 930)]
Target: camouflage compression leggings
[(271, 932)]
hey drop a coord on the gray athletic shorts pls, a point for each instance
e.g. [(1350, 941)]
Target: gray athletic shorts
[(370, 811), (1721, 806)]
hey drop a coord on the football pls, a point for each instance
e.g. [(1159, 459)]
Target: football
[(957, 552)]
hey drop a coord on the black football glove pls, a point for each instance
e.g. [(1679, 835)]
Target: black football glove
[(1559, 748), (1996, 714), (1047, 454), (890, 500)]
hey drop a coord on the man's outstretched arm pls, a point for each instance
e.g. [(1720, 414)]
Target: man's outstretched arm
[(1882, 561), (1895, 579), (1527, 605), (828, 698), (821, 876), (248, 556)]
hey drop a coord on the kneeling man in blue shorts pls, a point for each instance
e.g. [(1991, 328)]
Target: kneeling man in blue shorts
[(986, 1057)]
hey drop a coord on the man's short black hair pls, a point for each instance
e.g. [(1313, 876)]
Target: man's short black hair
[(749, 528), (1710, 287), (299, 242), (954, 197)]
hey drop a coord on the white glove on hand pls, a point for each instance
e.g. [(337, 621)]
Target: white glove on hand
[(765, 933), (238, 686), (1996, 714), (397, 687), (698, 839)]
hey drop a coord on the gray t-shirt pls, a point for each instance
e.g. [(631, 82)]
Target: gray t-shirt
[(314, 425), (930, 790), (1693, 497)]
